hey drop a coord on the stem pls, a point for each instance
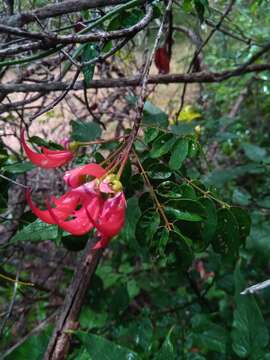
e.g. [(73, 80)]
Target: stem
[(205, 193), (16, 281), (143, 92), (100, 141), (79, 50), (168, 225), (59, 344)]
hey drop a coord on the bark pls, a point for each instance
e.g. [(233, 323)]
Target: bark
[(58, 9), (59, 344), (199, 77)]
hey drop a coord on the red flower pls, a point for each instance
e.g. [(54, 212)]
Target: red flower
[(162, 60), (49, 158), (111, 219), (96, 204), (77, 176)]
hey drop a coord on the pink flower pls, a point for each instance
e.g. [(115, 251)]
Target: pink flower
[(49, 158), (96, 204)]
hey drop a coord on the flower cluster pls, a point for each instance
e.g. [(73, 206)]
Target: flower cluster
[(94, 200)]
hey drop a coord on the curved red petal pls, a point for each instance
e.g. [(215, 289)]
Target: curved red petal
[(75, 177), (64, 207), (47, 151), (81, 224), (113, 226), (46, 161), (112, 218), (43, 215), (78, 226)]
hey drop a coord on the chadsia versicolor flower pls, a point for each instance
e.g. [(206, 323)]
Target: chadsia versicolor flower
[(93, 201), (48, 158)]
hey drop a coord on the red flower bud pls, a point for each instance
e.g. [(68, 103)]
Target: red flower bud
[(162, 60)]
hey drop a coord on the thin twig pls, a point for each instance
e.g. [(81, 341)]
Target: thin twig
[(11, 305), (198, 51)]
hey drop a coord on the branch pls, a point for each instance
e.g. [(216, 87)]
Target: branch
[(51, 40), (60, 341), (143, 91), (58, 9), (199, 77), (42, 326)]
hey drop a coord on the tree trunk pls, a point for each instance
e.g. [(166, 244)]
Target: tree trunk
[(59, 344)]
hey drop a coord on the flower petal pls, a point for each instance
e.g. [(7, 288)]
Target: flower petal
[(81, 224), (49, 158), (64, 207), (111, 219), (75, 177)]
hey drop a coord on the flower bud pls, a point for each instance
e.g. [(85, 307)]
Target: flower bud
[(73, 146), (117, 186)]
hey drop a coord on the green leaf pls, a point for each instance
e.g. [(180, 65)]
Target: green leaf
[(188, 192), (132, 288), (139, 333), (249, 335), (188, 205), (90, 319), (213, 339), (36, 231), (133, 214), (178, 250), (125, 19), (101, 348), (85, 131), (167, 351), (151, 134), (176, 214), (119, 301), (254, 152), (81, 354), (89, 52), (210, 224), (152, 115), (147, 226), (41, 142), (227, 239), (163, 236), (264, 203), (170, 190), (162, 145), (243, 220), (32, 348), (220, 177), (200, 6), (159, 172), (179, 154), (187, 5), (19, 168), (241, 197)]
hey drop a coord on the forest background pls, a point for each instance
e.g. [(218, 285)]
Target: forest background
[(174, 95)]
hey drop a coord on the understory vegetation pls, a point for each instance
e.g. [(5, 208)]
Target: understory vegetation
[(151, 253)]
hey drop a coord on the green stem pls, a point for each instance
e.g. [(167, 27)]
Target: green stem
[(30, 58)]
